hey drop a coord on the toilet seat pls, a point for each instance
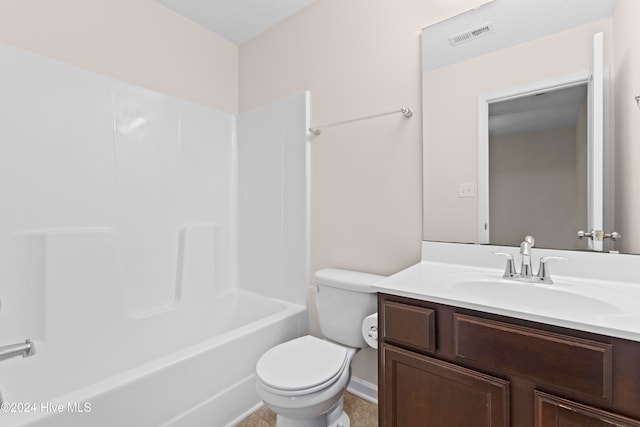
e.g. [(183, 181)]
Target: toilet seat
[(301, 366)]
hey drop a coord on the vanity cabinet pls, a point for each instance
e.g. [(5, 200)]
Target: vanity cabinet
[(429, 392), (445, 366)]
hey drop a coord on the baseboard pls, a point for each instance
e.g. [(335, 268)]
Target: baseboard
[(363, 389)]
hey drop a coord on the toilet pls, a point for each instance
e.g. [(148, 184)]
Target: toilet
[(303, 380)]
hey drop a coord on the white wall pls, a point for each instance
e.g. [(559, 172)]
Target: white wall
[(273, 199), (138, 41), (627, 124)]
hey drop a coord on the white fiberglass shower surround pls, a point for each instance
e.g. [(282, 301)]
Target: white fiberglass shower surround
[(144, 241)]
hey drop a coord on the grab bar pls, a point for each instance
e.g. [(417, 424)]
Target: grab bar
[(24, 349)]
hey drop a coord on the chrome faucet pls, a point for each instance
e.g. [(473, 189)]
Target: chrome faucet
[(25, 349), (525, 252), (526, 271)]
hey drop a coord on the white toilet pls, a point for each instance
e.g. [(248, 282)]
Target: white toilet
[(303, 380)]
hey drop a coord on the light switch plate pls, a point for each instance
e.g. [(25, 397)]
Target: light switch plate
[(467, 189)]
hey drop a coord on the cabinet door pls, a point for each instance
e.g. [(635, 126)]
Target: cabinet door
[(421, 391), (552, 411)]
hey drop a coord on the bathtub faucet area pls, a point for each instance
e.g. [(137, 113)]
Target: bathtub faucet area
[(25, 349)]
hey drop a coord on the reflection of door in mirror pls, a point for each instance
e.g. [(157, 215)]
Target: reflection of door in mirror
[(541, 162), (538, 161)]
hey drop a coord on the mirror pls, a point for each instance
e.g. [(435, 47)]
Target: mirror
[(513, 68)]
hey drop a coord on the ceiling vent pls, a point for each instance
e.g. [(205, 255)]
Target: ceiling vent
[(472, 34)]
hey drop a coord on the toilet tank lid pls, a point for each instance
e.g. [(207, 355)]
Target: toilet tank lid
[(347, 279)]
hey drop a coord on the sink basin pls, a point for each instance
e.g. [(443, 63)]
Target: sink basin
[(539, 296)]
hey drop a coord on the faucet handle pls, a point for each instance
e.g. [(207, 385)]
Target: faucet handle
[(510, 268), (543, 271)]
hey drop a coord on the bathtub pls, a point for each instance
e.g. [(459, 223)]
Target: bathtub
[(209, 383)]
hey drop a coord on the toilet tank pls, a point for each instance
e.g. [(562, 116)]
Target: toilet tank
[(343, 299)]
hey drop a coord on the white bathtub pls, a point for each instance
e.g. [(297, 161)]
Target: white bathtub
[(208, 384)]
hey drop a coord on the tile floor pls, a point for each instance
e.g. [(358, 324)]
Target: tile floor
[(361, 413)]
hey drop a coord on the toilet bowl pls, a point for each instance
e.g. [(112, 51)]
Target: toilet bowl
[(303, 380)]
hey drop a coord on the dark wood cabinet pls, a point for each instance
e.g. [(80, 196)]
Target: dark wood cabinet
[(423, 391), (445, 366), (552, 411)]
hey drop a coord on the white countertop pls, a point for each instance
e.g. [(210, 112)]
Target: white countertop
[(593, 304)]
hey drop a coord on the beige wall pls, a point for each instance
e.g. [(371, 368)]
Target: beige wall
[(627, 125), (450, 124), (138, 41), (357, 57)]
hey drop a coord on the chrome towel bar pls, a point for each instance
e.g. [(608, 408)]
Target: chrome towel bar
[(407, 112), (24, 349)]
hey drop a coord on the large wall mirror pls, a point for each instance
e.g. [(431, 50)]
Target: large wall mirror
[(526, 113)]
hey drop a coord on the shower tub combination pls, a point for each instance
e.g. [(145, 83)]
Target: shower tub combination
[(209, 383), (149, 287)]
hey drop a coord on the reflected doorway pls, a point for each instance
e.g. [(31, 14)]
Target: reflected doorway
[(538, 168)]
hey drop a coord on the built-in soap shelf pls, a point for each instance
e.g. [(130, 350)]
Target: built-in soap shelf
[(60, 275)]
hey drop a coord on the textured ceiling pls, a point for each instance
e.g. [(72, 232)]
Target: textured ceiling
[(236, 20)]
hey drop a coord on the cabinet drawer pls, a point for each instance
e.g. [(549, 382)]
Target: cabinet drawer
[(573, 364), (409, 326), (552, 411)]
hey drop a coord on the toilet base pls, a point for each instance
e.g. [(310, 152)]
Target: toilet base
[(342, 421), (336, 417)]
